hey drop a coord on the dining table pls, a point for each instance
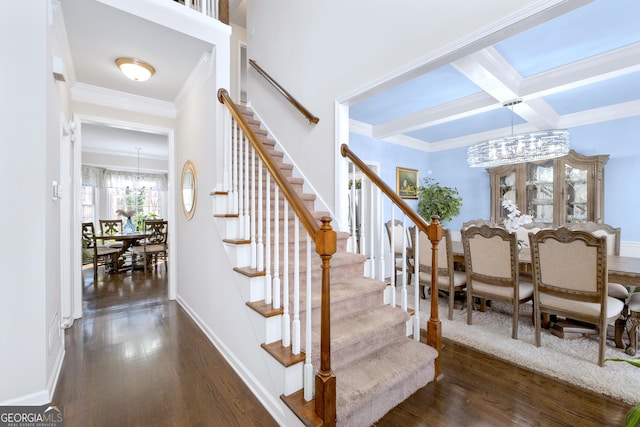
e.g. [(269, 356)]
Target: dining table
[(128, 240), (622, 269)]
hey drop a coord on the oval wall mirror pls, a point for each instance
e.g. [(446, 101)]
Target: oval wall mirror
[(189, 189)]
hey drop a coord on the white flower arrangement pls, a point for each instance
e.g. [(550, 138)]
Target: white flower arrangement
[(514, 218), (126, 213)]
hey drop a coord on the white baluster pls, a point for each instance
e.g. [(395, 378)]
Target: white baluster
[(295, 326), (352, 211), (242, 212), (308, 366), (392, 244), (253, 210), (235, 171), (276, 247), (380, 221), (403, 294), (267, 266), (226, 155), (416, 285), (246, 223), (371, 224), (259, 200), (286, 317)]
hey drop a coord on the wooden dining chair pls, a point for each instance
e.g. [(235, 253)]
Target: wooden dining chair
[(570, 280), (99, 255), (450, 281), (154, 246), (492, 267), (111, 226)]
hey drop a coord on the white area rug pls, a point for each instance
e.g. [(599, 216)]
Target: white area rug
[(573, 359)]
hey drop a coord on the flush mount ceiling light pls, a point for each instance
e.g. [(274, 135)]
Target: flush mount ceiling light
[(525, 147), (135, 69)]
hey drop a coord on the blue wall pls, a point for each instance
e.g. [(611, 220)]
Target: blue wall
[(620, 139)]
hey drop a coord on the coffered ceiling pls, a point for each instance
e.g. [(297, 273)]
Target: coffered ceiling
[(578, 68)]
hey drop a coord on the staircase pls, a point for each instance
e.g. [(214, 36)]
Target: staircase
[(375, 364)]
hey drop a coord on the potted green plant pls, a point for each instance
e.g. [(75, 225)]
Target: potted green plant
[(434, 199), (633, 416)]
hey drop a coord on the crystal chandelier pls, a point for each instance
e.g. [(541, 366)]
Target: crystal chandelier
[(525, 147)]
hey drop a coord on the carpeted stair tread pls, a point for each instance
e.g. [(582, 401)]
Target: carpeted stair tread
[(360, 334), (348, 297), (368, 388), (356, 336)]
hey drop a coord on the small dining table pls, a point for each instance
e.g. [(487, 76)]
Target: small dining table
[(127, 239)]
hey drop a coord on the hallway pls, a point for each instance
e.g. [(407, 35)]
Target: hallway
[(137, 359)]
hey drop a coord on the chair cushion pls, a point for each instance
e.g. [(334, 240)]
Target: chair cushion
[(614, 306), (149, 249), (525, 289), (634, 302), (616, 290), (459, 279), (107, 251)]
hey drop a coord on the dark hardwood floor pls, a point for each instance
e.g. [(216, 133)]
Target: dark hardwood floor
[(137, 359)]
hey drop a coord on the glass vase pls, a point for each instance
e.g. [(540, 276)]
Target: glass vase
[(129, 228)]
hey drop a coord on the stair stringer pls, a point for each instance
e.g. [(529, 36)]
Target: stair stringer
[(283, 379)]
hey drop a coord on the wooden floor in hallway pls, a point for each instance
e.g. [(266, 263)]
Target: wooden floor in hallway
[(137, 359)]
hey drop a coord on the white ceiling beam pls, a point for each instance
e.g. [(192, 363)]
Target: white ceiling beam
[(492, 73), (464, 107), (538, 113), (602, 67), (603, 114)]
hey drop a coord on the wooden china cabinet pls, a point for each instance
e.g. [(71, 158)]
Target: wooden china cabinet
[(556, 191)]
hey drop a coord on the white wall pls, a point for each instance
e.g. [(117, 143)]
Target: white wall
[(320, 51), (29, 256)]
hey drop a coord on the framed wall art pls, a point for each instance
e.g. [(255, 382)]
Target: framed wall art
[(407, 183)]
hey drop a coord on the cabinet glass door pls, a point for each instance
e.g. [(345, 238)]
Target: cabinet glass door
[(540, 191), (576, 194)]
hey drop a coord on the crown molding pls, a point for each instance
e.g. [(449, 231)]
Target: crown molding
[(199, 75), (82, 92)]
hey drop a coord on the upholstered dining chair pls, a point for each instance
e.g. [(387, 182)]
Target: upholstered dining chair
[(478, 223), (612, 234), (491, 264), (570, 280), (450, 281), (154, 246), (398, 237), (99, 255)]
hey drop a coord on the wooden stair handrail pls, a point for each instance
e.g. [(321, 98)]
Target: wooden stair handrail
[(434, 234), (308, 221), (312, 119), (375, 179), (325, 239)]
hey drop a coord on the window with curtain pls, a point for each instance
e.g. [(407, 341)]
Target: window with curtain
[(88, 201), (142, 192)]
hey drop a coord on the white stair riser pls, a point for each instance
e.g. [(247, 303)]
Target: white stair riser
[(239, 255)]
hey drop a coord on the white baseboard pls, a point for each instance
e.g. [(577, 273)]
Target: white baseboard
[(271, 404)]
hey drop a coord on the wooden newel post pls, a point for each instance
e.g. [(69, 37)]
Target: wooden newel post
[(434, 327), (325, 379)]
